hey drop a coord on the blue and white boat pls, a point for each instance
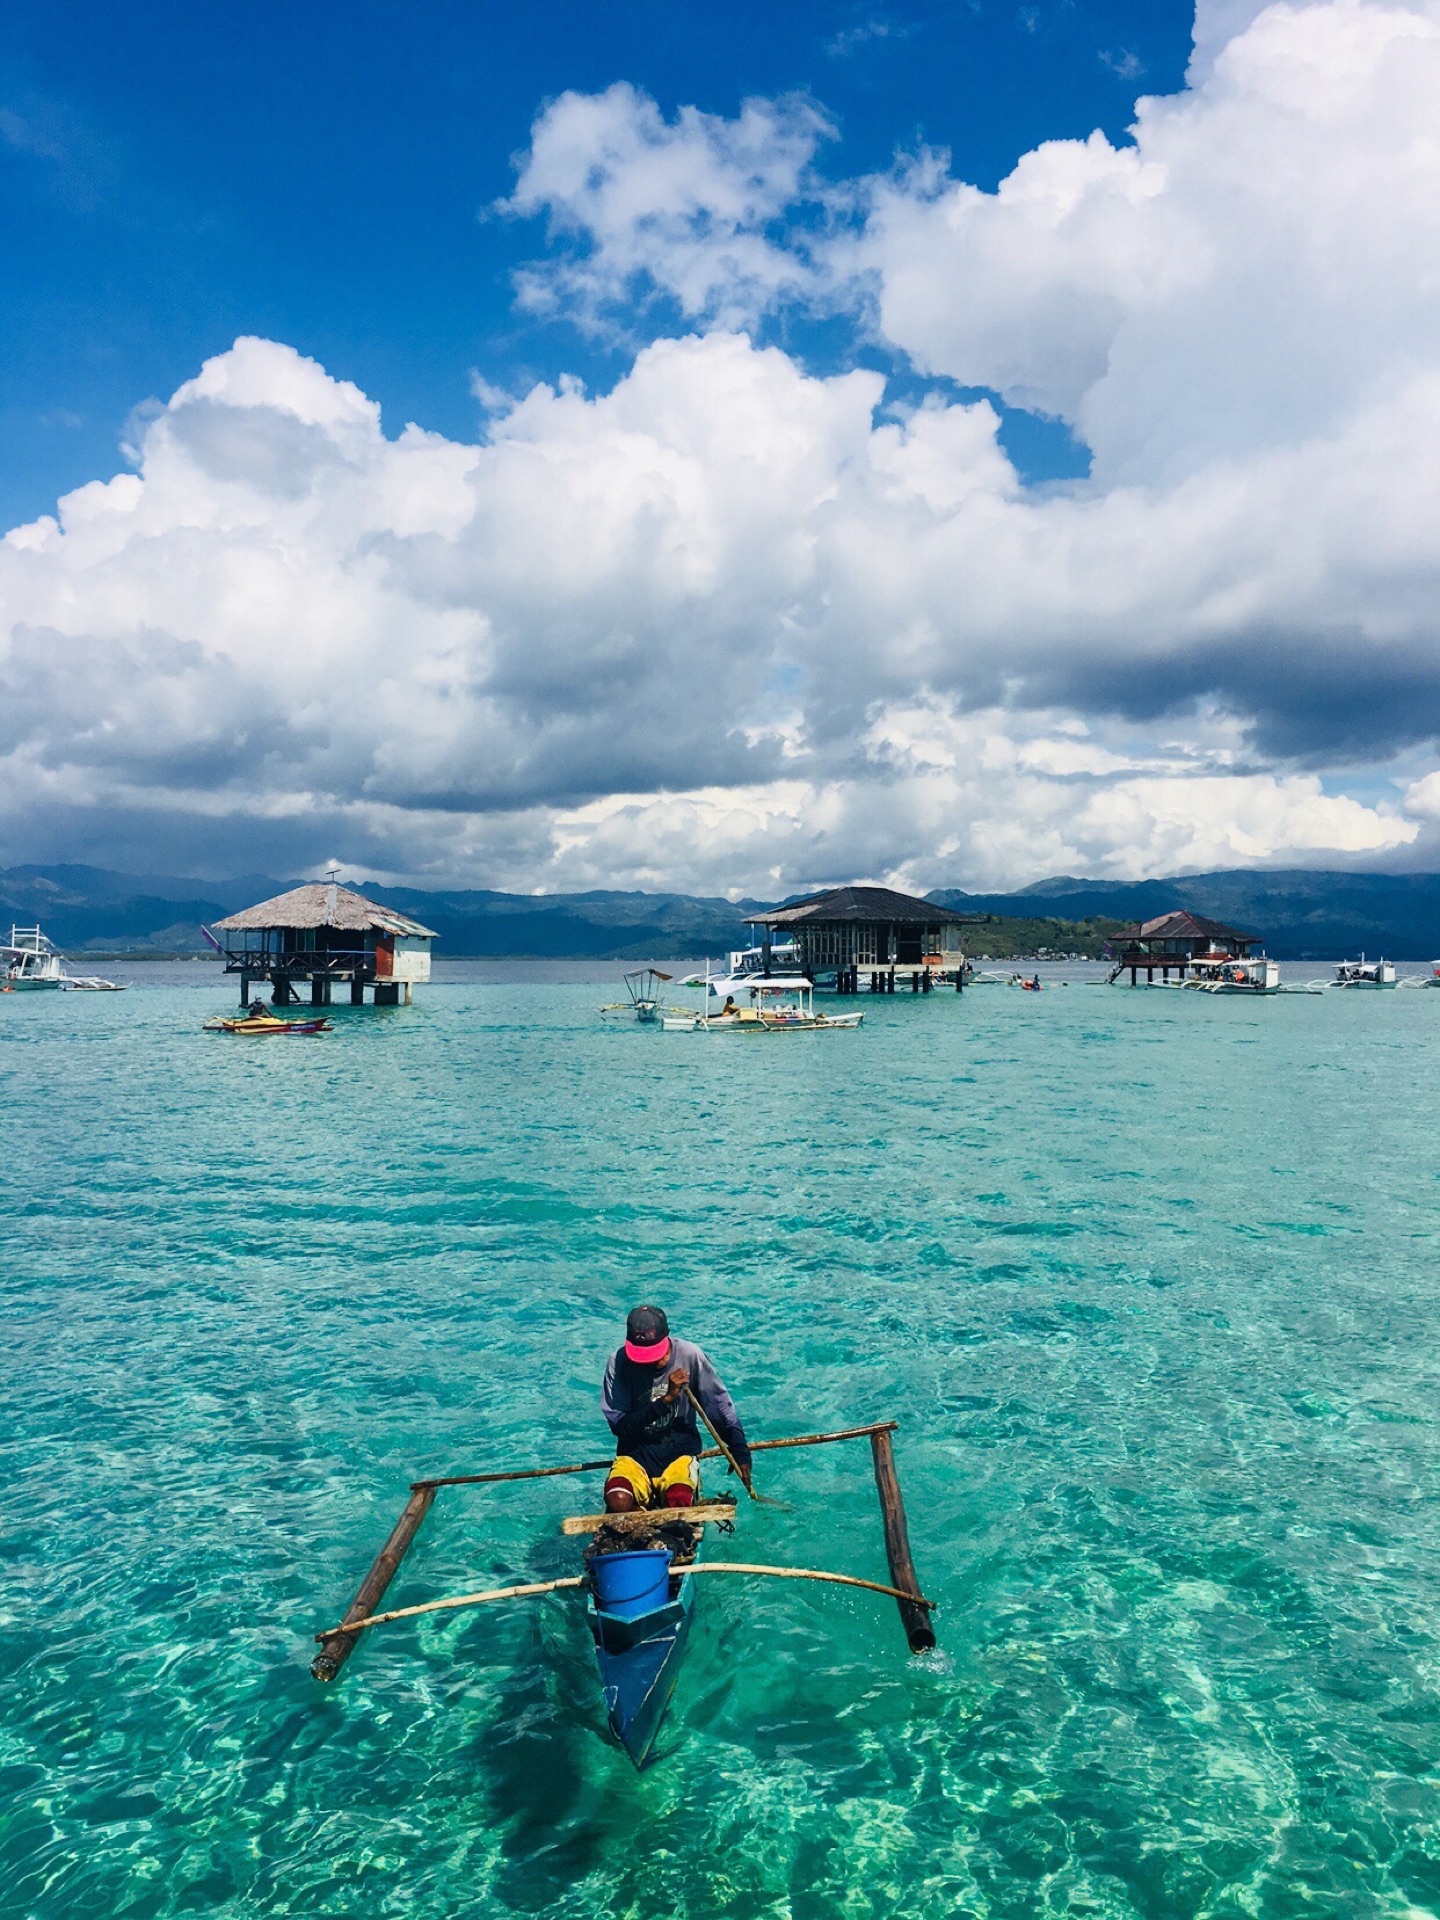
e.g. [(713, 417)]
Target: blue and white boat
[(640, 1615)]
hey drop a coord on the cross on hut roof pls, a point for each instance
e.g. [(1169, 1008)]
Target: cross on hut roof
[(324, 906), (861, 903)]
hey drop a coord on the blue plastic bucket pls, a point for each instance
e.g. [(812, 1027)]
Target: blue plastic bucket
[(632, 1583)]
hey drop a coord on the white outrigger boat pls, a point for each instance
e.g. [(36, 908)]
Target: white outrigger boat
[(773, 1003), (1257, 975), (30, 963), (747, 966), (643, 987), (1365, 973)]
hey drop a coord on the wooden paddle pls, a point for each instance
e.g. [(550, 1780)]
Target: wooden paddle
[(744, 1478)]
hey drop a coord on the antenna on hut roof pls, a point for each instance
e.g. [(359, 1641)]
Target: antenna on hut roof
[(332, 874)]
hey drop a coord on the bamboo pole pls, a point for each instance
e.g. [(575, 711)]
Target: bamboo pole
[(493, 1479), (337, 1645), (814, 1439), (577, 1580), (599, 1466), (914, 1614)]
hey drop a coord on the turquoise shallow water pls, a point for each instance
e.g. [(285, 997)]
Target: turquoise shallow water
[(1148, 1279)]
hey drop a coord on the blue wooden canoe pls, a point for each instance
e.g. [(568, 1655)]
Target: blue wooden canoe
[(639, 1653)]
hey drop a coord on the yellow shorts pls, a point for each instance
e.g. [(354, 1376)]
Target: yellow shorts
[(682, 1472)]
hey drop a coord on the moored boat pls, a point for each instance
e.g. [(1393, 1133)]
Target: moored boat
[(783, 1003), (267, 1023), (1257, 974), (643, 988), (29, 963), (1365, 973), (746, 967)]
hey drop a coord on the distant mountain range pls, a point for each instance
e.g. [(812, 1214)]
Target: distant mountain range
[(89, 909), (1298, 914)]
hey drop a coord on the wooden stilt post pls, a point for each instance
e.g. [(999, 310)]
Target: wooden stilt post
[(337, 1647), (357, 989), (916, 1619)]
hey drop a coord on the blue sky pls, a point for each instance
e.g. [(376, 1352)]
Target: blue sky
[(175, 175), (721, 447)]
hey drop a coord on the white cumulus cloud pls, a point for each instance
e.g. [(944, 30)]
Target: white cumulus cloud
[(689, 206), (733, 624)]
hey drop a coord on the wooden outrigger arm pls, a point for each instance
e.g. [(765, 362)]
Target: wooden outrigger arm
[(678, 1573), (599, 1466), (338, 1643)]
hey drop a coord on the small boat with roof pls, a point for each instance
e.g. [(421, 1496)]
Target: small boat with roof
[(29, 963), (767, 1003), (1365, 973), (643, 988), (1254, 974)]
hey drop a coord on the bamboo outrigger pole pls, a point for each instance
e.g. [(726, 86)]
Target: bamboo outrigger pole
[(493, 1479), (914, 1616), (599, 1466), (578, 1580), (338, 1643), (337, 1646), (815, 1439)]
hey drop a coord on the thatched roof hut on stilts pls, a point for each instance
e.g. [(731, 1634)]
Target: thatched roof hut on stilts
[(872, 931), (324, 933)]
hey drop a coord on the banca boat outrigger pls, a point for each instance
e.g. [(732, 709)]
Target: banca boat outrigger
[(638, 1578), (643, 987)]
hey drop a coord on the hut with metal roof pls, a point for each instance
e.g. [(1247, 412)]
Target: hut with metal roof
[(850, 931), (324, 933), (1176, 940)]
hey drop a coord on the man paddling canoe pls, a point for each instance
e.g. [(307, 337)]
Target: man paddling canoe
[(653, 1418)]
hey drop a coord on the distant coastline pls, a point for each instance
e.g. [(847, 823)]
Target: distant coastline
[(1299, 914)]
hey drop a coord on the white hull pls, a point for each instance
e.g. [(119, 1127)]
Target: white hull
[(1370, 975), (28, 962), (766, 1023), (1258, 976)]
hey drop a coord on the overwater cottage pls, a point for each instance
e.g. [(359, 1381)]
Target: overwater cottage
[(322, 934), (848, 931), (1178, 941)]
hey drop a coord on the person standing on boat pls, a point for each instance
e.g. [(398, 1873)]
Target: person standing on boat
[(654, 1421)]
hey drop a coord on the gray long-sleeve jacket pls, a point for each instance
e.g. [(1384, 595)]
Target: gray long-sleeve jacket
[(654, 1431)]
